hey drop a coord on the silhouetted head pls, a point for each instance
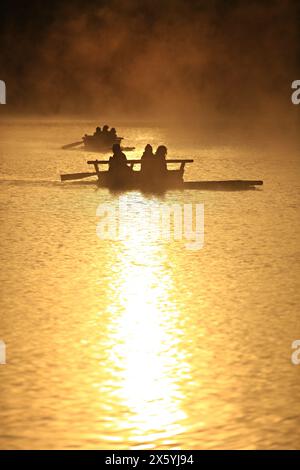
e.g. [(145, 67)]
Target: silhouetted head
[(148, 148), (113, 130), (116, 148), (161, 151), (98, 129), (105, 128)]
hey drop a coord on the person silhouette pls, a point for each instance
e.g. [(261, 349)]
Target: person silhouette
[(98, 132), (113, 133), (105, 130), (147, 161), (118, 161), (160, 159)]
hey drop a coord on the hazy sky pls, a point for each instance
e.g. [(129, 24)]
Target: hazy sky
[(150, 57)]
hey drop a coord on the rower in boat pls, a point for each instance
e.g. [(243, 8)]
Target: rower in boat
[(113, 134), (105, 133), (98, 132), (147, 161), (118, 168), (160, 160)]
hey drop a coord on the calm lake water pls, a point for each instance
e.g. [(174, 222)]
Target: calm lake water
[(136, 344)]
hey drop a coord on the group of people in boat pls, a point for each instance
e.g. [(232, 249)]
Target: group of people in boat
[(152, 164), (105, 134)]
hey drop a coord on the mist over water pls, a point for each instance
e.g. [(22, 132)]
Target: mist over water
[(190, 62)]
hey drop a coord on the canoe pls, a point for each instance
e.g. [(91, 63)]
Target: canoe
[(98, 144), (136, 180), (170, 179), (173, 179)]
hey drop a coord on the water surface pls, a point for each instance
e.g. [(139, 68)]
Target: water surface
[(135, 344)]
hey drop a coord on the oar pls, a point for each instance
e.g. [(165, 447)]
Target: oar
[(73, 144), (77, 176)]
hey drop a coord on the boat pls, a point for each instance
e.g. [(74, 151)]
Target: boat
[(100, 143), (94, 143), (172, 179)]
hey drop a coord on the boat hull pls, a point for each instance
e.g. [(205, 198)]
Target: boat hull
[(136, 180), (95, 144), (172, 179)]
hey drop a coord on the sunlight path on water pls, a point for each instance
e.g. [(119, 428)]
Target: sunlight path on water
[(145, 344)]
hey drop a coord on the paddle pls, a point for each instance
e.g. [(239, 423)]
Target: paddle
[(77, 176), (73, 144)]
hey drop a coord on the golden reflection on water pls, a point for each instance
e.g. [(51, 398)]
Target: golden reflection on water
[(146, 347), (141, 345)]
